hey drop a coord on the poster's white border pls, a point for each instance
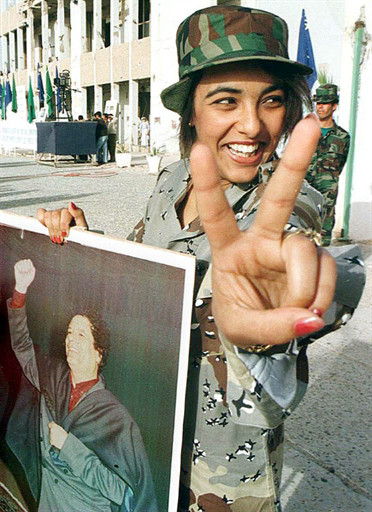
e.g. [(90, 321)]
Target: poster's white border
[(156, 255)]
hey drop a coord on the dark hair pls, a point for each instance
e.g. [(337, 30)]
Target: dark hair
[(80, 117), (101, 334), (294, 85), (98, 113)]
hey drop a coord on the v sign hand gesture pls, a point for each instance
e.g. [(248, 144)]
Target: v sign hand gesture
[(267, 289)]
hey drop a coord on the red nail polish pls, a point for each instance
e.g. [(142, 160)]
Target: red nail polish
[(59, 239), (65, 234), (317, 311), (73, 206), (308, 325)]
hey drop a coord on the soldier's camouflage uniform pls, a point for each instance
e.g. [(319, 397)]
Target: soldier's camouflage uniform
[(236, 400), (324, 171)]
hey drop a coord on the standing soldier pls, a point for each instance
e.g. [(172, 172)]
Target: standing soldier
[(329, 157)]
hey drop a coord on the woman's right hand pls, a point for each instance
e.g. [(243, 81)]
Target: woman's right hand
[(59, 221)]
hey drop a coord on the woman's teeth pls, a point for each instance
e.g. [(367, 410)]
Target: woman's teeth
[(243, 149)]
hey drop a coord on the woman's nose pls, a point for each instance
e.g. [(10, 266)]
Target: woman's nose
[(249, 122)]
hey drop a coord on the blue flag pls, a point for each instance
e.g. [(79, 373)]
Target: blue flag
[(305, 53), (59, 102), (8, 93), (40, 85)]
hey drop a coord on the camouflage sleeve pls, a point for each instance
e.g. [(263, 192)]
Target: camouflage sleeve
[(350, 283), (136, 235), (343, 156), (281, 373)]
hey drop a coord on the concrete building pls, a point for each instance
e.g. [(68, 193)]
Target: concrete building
[(104, 45), (123, 52)]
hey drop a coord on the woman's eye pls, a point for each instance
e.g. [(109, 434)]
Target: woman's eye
[(274, 100), (226, 101)]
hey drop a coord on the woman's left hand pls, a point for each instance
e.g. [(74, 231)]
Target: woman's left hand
[(267, 289)]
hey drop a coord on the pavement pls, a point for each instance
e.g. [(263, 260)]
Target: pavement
[(328, 453)]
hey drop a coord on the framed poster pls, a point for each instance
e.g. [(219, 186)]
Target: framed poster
[(144, 294)]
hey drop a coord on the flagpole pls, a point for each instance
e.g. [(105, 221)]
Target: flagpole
[(358, 41)]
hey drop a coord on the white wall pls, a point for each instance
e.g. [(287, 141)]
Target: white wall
[(360, 227), (165, 18)]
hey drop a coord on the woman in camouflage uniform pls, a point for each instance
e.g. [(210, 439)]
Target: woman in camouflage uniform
[(238, 93)]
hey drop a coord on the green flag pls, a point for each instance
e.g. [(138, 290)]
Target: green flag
[(30, 103), (3, 102), (49, 94), (14, 96)]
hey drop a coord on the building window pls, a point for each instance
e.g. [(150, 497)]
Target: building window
[(143, 18)]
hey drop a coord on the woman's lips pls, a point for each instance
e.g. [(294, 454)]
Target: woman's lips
[(246, 154)]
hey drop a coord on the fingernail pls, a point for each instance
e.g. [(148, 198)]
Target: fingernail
[(52, 238), (308, 325), (73, 206), (64, 233), (317, 311), (59, 239)]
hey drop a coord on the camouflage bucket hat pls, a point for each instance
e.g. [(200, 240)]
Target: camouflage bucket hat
[(326, 94), (221, 34)]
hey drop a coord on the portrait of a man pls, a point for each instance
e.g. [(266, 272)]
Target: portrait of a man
[(94, 421)]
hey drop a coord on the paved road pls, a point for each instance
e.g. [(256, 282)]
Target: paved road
[(328, 459)]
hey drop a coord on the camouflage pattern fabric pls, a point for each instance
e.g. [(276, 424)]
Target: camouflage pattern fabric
[(324, 171), (236, 401), (222, 32), (326, 93)]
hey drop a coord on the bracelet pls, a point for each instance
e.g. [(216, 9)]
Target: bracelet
[(309, 233)]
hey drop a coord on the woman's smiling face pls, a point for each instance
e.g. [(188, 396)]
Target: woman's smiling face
[(239, 113)]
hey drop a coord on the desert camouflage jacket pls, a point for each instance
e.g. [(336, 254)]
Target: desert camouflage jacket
[(236, 401), (330, 155)]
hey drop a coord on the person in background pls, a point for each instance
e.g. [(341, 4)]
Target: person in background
[(112, 136), (82, 158), (89, 450), (101, 139), (329, 157), (264, 289), (144, 129)]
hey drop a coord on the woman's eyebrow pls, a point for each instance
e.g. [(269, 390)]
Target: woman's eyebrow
[(222, 88), (274, 87), (233, 90)]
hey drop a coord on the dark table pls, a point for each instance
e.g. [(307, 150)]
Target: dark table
[(66, 138)]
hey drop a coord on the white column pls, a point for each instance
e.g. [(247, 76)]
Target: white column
[(45, 32), (131, 112), (12, 62), (30, 40), (97, 25), (20, 52), (96, 45), (98, 98), (78, 37), (60, 35), (115, 39), (4, 52)]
